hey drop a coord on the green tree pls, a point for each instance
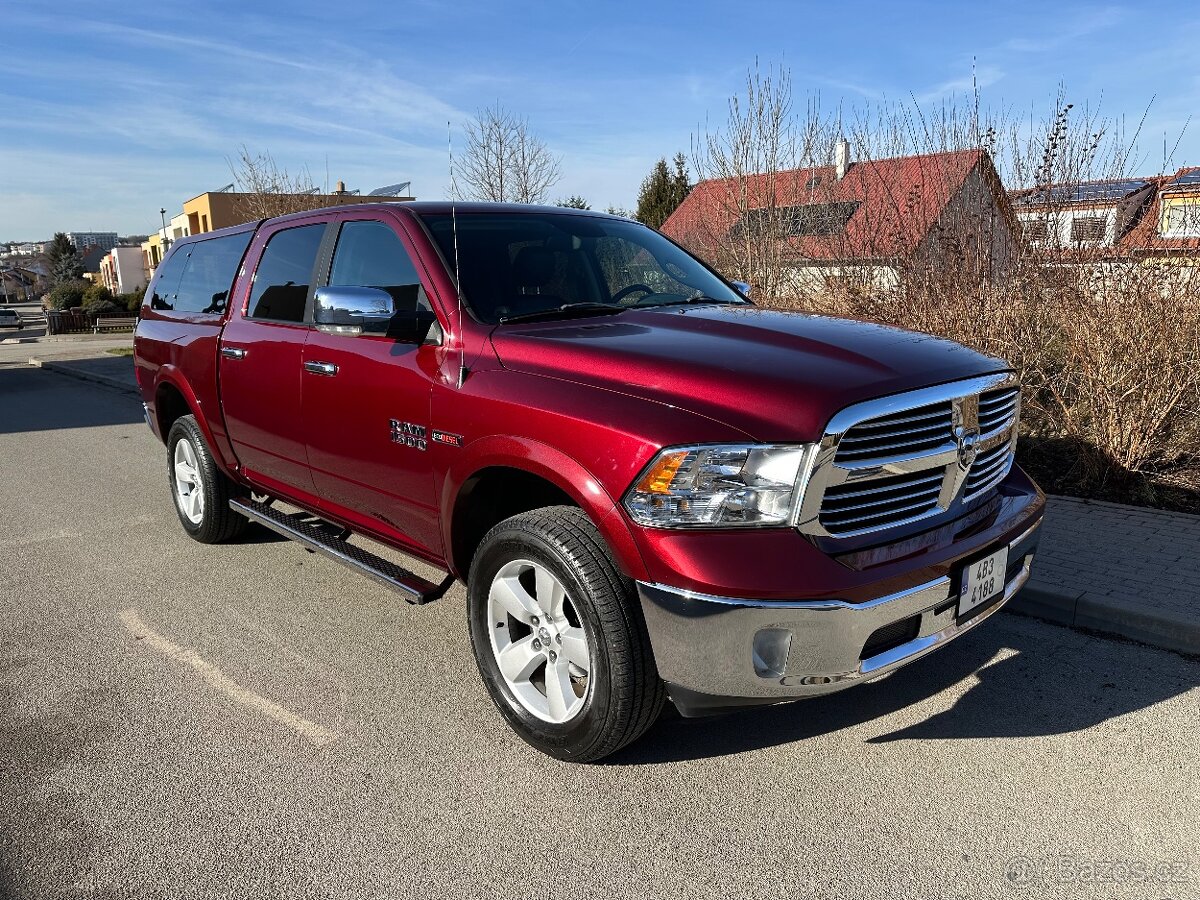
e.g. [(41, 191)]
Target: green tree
[(663, 191), (65, 262), (97, 296), (67, 294), (574, 202), (133, 300)]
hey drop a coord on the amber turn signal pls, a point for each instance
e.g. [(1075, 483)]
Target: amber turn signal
[(659, 476)]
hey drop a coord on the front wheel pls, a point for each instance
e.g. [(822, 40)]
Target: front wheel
[(201, 491), (559, 638)]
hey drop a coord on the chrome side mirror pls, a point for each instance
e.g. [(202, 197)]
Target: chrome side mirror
[(366, 310), (351, 310), (743, 287)]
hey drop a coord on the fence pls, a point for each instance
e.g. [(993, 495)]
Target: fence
[(76, 322)]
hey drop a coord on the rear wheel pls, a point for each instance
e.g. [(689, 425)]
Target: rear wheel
[(201, 491), (558, 636)]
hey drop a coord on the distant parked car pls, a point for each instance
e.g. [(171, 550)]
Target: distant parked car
[(10, 318)]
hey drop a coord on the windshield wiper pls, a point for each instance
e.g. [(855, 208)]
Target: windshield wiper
[(695, 297), (566, 311)]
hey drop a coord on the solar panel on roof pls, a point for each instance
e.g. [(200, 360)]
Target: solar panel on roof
[(1191, 179), (1086, 193), (1108, 190)]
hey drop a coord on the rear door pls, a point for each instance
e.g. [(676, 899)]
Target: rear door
[(367, 397), (261, 357)]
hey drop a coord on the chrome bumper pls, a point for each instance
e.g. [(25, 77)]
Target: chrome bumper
[(709, 646)]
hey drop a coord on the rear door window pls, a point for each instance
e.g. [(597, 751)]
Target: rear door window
[(284, 274), (208, 275), (166, 280)]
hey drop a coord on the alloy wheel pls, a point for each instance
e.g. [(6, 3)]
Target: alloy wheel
[(539, 642)]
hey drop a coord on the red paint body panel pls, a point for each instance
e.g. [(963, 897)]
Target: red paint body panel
[(777, 376), (261, 398), (183, 355), (354, 462)]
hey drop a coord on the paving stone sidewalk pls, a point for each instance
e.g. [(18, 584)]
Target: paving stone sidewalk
[(1125, 570)]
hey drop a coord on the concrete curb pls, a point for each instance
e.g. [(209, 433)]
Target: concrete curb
[(65, 368), (1133, 620)]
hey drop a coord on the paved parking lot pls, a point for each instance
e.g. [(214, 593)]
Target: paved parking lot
[(252, 720)]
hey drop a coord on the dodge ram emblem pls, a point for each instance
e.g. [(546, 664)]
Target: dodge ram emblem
[(968, 446)]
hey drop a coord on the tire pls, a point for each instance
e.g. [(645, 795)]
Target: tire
[(200, 491), (573, 701)]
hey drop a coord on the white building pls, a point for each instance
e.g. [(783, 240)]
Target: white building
[(122, 271), (1094, 214), (105, 240)]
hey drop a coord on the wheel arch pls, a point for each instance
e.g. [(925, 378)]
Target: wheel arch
[(173, 399), (515, 476)]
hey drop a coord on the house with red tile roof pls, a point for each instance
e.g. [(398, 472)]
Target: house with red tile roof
[(862, 220), (1085, 221), (1169, 231)]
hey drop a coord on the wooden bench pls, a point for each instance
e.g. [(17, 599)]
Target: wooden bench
[(113, 323)]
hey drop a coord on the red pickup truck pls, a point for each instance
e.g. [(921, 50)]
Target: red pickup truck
[(652, 487)]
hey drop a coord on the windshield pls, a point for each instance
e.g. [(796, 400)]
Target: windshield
[(526, 265)]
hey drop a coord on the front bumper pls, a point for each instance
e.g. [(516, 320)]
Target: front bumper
[(718, 653)]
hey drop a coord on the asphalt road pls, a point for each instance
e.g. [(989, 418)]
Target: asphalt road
[(179, 720)]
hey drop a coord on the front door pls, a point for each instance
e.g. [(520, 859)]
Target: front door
[(367, 398), (261, 360)]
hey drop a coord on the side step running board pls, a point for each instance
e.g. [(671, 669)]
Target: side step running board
[(321, 537)]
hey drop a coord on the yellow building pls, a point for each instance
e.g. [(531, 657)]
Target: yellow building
[(220, 209), (152, 253)]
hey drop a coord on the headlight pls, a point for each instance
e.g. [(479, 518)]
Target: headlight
[(721, 486)]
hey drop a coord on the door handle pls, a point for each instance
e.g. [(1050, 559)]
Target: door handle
[(234, 352), (320, 368)]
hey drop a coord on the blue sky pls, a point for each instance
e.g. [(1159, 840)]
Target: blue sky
[(113, 111)]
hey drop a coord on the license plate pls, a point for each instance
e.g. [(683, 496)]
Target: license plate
[(982, 581)]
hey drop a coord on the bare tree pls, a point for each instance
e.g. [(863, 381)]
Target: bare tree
[(504, 161), (267, 189), (747, 160)]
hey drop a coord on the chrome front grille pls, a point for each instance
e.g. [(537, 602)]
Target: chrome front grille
[(897, 460), (988, 470), (904, 433), (998, 409), (849, 507)]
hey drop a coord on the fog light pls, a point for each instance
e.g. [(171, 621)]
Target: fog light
[(771, 648)]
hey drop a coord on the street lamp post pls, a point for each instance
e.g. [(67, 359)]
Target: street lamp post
[(166, 240)]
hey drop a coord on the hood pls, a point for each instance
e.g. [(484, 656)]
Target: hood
[(777, 376)]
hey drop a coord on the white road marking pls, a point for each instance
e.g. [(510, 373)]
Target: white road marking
[(311, 731)]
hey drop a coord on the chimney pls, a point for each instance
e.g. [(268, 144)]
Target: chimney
[(841, 157), (341, 187)]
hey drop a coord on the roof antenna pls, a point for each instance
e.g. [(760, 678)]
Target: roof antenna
[(462, 347)]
